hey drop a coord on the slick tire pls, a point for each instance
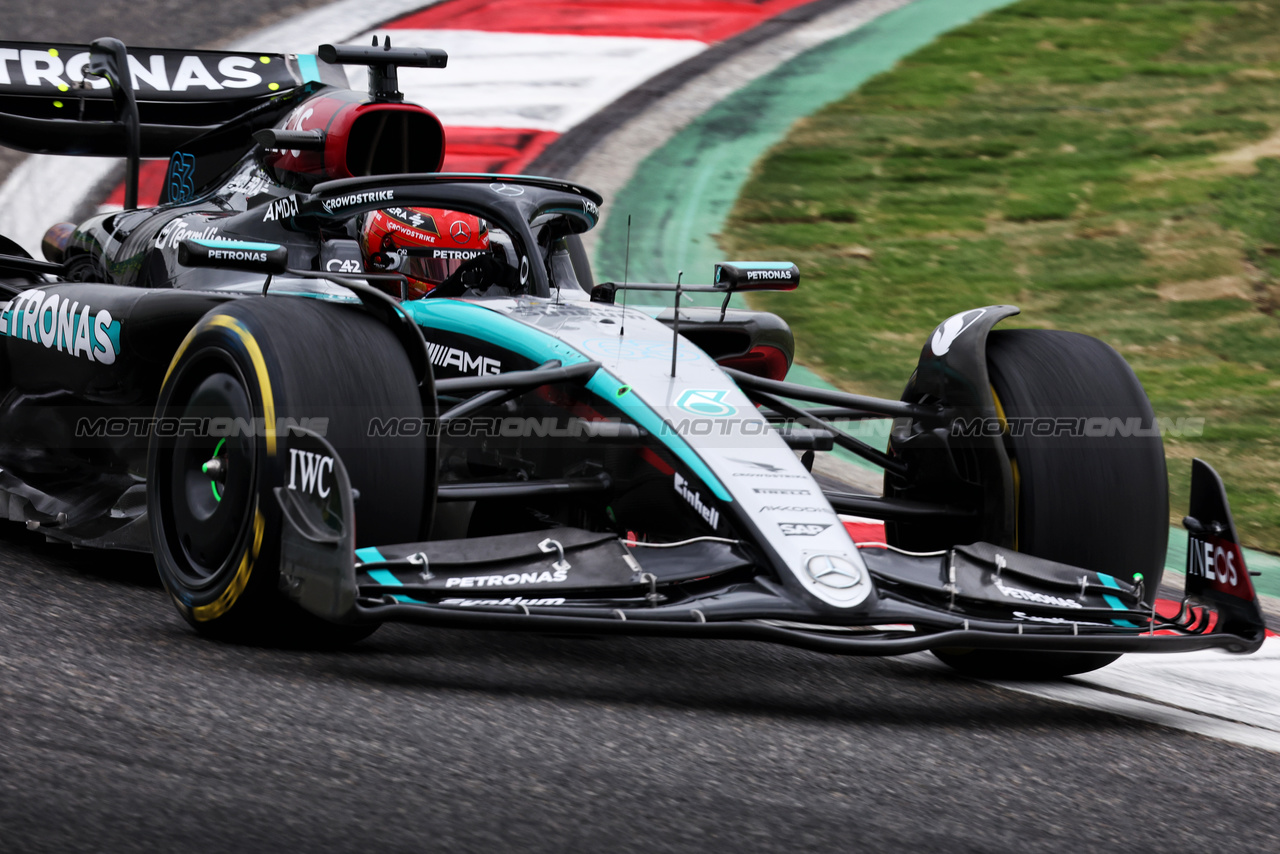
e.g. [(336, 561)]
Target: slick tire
[(245, 370), (1098, 502)]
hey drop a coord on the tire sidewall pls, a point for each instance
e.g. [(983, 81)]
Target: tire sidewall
[(1089, 501), (332, 368), (219, 337)]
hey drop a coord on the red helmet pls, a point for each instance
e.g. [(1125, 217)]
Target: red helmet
[(425, 244)]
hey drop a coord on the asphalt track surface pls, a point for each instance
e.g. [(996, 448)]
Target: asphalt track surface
[(121, 730)]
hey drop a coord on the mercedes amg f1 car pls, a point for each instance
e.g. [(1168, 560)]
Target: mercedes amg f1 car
[(221, 380)]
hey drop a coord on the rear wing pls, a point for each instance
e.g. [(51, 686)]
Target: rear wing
[(49, 105)]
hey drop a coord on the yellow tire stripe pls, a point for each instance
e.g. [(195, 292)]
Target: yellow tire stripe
[(223, 603), (260, 367)]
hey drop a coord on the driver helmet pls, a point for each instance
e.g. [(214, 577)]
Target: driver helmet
[(427, 245)]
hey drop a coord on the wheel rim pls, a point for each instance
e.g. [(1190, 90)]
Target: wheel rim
[(211, 474)]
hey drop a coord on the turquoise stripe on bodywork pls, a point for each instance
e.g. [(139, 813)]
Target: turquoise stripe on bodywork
[(1115, 603), (465, 318), (308, 68), (370, 554), (384, 577), (237, 244), (605, 385), (485, 324)]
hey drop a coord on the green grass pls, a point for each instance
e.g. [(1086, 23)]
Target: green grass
[(1101, 164)]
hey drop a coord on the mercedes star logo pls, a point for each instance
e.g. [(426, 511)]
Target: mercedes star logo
[(833, 572), (460, 232), (507, 189)]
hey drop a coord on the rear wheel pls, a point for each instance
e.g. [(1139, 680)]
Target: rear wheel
[(246, 371), (1099, 502)]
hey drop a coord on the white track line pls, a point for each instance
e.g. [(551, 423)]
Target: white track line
[(530, 80), (1234, 698)]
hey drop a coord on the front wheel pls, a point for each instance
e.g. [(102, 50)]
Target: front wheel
[(221, 444), (1096, 498)]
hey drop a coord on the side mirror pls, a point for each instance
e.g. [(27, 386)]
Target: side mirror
[(756, 276), (268, 258)]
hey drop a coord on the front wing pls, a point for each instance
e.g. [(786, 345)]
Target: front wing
[(568, 580)]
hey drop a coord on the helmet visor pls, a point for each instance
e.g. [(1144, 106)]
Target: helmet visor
[(433, 266)]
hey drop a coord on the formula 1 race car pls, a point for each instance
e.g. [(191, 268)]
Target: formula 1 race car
[(260, 382)]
